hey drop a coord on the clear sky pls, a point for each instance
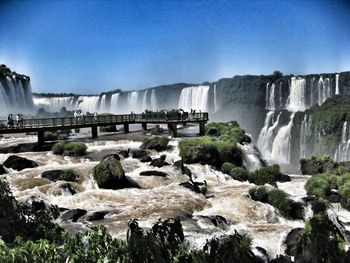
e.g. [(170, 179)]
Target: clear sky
[(94, 46)]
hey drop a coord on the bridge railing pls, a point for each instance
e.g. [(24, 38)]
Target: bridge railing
[(104, 119)]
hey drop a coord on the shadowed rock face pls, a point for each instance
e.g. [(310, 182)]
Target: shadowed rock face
[(60, 175), (2, 169), (19, 163)]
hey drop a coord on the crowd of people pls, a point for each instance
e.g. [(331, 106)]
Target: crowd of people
[(11, 122)]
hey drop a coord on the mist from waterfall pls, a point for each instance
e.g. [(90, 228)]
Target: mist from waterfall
[(296, 100), (215, 100), (281, 147), (115, 102), (153, 100), (336, 84), (144, 100), (194, 98), (103, 104), (342, 153)]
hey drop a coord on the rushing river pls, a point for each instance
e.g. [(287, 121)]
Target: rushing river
[(160, 197)]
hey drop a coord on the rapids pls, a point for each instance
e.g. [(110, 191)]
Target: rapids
[(160, 197)]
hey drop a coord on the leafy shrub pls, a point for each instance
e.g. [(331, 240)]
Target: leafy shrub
[(226, 167), (62, 137), (58, 148), (239, 174), (77, 148), (50, 136), (344, 190), (259, 194), (266, 175), (319, 185), (227, 130), (158, 143)]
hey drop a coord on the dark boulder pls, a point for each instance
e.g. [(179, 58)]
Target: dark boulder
[(159, 162), (60, 175), (178, 164), (113, 155), (262, 254), (146, 159), (318, 206), (281, 259), (124, 153), (2, 170), (217, 220), (19, 163), (72, 215), (153, 173), (284, 178), (292, 239), (157, 143), (36, 203), (109, 174), (93, 216), (110, 128), (67, 187), (184, 170), (197, 187), (334, 197), (137, 154)]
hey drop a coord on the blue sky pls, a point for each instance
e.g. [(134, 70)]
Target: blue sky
[(94, 46)]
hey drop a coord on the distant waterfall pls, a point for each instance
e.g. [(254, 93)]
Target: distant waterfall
[(15, 94), (343, 151), (144, 100), (296, 100), (324, 90), (267, 133), (281, 146), (153, 100), (215, 99), (88, 103), (305, 134), (55, 103), (194, 98), (336, 84), (115, 103), (270, 96), (133, 101), (251, 157)]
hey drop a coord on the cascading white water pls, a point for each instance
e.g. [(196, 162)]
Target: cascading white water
[(133, 98), (342, 153), (115, 102), (266, 135), (88, 103), (280, 97), (270, 96), (305, 134), (144, 100), (103, 104), (251, 157), (215, 99), (324, 90), (336, 84), (194, 98), (281, 146), (55, 103), (153, 100), (296, 101)]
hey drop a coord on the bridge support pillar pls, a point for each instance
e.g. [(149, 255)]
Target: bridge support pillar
[(94, 132), (144, 126), (41, 139), (201, 128), (126, 127), (172, 129)]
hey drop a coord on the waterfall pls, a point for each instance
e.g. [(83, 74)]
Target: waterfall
[(133, 101), (336, 84), (87, 103), (266, 135), (270, 96), (282, 142), (153, 100), (342, 153), (324, 90), (280, 97), (103, 105), (115, 103), (312, 99), (55, 103), (305, 134), (215, 99), (144, 100), (296, 101), (194, 98), (251, 157)]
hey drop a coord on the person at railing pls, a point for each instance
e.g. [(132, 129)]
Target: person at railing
[(76, 117), (10, 121), (21, 120), (95, 116), (17, 120)]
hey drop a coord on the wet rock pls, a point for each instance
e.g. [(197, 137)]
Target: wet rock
[(292, 240), (262, 254), (334, 197), (113, 155), (281, 259), (109, 174), (153, 173), (284, 178), (344, 203), (318, 206), (2, 170), (217, 220), (159, 162), (157, 143), (124, 153), (19, 163), (110, 128), (197, 187), (146, 159), (308, 198), (178, 164), (60, 175), (93, 216), (37, 203), (72, 215), (67, 187), (184, 170), (137, 154)]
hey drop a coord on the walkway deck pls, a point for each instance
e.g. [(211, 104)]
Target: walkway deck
[(172, 119)]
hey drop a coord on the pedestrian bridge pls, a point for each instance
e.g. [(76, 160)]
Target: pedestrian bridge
[(39, 126)]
